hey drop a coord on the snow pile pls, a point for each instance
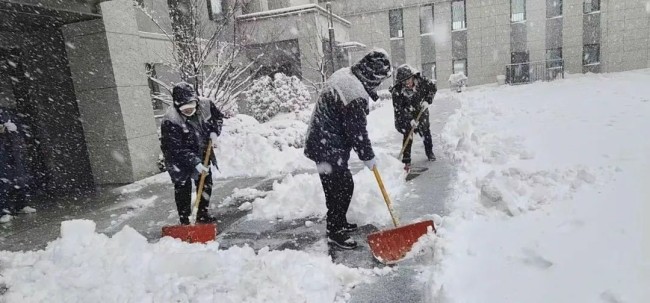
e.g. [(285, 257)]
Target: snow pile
[(302, 195), (242, 195), (249, 148), (551, 193), (83, 266)]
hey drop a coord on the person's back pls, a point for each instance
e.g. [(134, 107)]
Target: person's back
[(339, 116)]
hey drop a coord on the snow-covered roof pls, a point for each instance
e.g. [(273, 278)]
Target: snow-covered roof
[(274, 13), (351, 44)]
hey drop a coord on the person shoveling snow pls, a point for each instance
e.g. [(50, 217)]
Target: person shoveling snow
[(337, 127)]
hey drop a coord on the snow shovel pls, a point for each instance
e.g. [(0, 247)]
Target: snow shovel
[(194, 233), (390, 246), (410, 136)]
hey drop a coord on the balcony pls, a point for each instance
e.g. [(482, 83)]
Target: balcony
[(529, 72)]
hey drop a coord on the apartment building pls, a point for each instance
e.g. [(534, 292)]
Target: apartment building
[(522, 40)]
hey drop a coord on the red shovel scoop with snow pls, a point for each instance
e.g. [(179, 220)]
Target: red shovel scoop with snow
[(390, 246), (194, 233)]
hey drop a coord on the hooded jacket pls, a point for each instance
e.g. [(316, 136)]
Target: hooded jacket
[(184, 139)]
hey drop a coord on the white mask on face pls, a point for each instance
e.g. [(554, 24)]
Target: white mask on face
[(185, 109)]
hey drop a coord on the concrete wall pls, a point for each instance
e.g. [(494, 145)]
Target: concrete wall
[(51, 110), (113, 96), (488, 33), (625, 35), (572, 44)]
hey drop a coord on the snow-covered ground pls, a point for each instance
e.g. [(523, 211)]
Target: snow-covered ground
[(552, 193), (548, 206), (84, 266), (301, 195)]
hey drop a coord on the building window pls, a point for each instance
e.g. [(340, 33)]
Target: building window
[(426, 19), (460, 65), (553, 8), (591, 54), (591, 6), (215, 9), (554, 58), (458, 15), (396, 23), (517, 10), (429, 70)]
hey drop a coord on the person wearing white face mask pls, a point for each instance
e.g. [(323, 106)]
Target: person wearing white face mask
[(186, 129)]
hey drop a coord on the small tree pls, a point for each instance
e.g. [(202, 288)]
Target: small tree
[(283, 94)]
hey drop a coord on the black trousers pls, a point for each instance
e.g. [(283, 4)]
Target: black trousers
[(428, 145), (12, 199), (183, 197), (338, 187)]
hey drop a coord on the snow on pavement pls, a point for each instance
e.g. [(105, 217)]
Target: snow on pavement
[(551, 195), (84, 266), (302, 196)]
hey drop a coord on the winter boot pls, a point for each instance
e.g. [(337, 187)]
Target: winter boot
[(341, 240), (431, 157), (349, 227), (407, 167), (185, 220), (205, 218)]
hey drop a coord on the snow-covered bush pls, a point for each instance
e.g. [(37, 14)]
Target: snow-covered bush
[(457, 81), (283, 94)]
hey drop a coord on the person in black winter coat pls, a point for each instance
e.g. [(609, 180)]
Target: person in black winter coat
[(411, 93), (186, 129), (338, 126), (13, 175)]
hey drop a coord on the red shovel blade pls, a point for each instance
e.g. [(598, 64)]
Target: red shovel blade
[(390, 246), (200, 233)]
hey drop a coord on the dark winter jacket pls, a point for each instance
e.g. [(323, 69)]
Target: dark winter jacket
[(338, 123), (184, 139), (12, 145), (407, 105)]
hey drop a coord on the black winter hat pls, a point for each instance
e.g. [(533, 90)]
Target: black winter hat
[(373, 68), (404, 72), (183, 93)]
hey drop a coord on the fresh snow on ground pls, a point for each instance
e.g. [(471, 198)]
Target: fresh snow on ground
[(249, 148), (551, 194), (84, 266), (549, 205), (302, 196)]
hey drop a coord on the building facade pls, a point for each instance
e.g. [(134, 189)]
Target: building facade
[(74, 75), (521, 40)]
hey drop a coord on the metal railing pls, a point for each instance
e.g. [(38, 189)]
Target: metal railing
[(529, 72)]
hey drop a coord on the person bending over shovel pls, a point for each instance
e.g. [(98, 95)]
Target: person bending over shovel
[(411, 93), (337, 126), (186, 129)]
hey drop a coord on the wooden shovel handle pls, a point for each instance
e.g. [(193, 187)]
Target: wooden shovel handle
[(385, 194), (199, 190), (410, 136)]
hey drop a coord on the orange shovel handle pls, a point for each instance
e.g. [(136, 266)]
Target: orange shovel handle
[(199, 190), (385, 194)]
